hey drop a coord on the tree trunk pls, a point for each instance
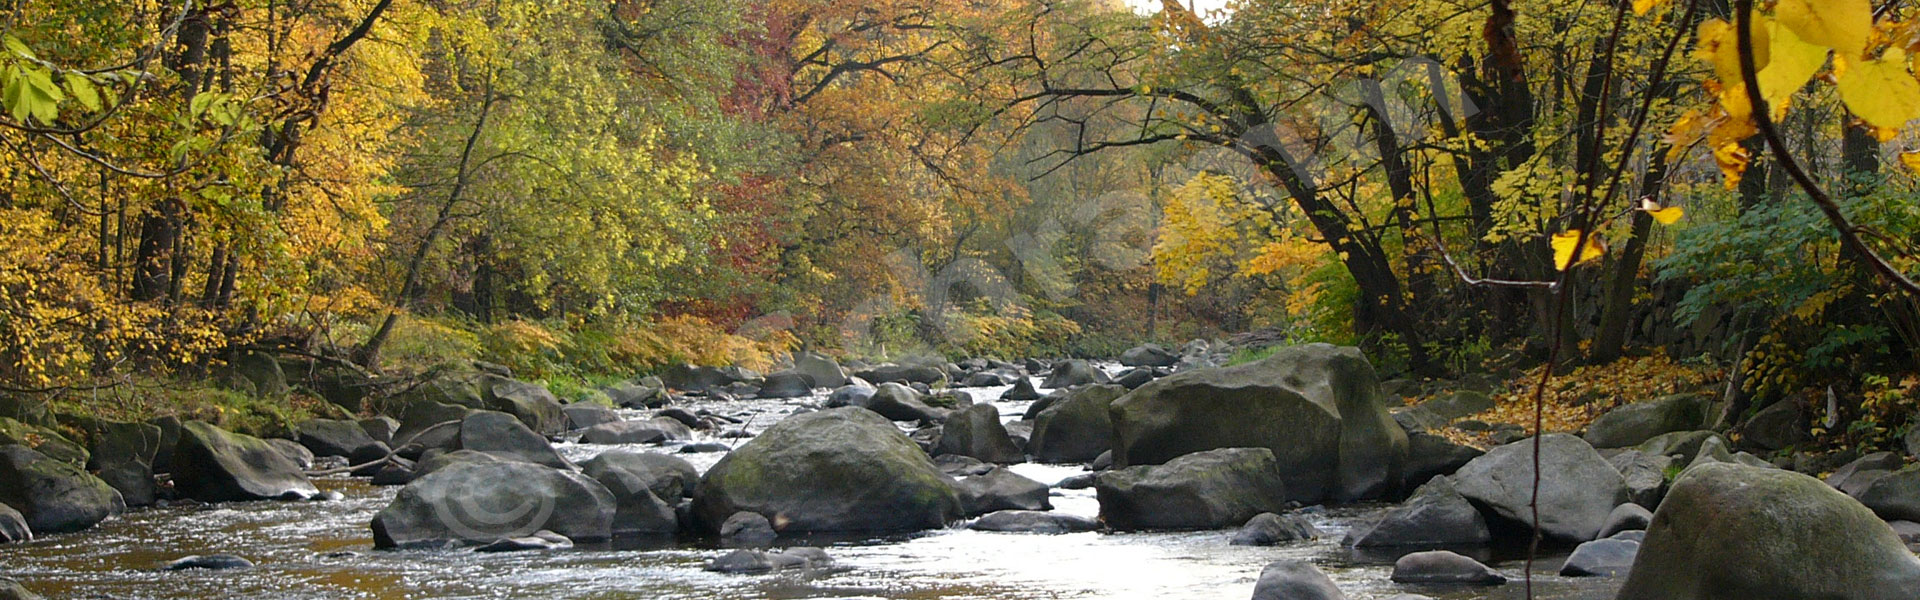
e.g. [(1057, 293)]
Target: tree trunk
[(1617, 304)]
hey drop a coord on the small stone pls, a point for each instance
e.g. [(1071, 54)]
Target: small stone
[(540, 540), (1601, 558), (1268, 529)]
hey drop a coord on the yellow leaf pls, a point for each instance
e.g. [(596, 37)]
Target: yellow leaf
[(1640, 7), (1911, 159), (1732, 159), (1668, 215), (1719, 46), (1843, 25), (1792, 62), (1563, 244), (1881, 91)]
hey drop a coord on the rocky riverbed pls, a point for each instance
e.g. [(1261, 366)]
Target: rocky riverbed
[(1171, 530)]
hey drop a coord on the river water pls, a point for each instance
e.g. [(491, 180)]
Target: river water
[(324, 550)]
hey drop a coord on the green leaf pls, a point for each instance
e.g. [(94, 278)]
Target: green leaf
[(18, 47), (14, 94), (199, 104), (44, 107), (42, 80), (83, 91)]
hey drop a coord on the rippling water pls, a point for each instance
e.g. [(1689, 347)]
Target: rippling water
[(324, 550)]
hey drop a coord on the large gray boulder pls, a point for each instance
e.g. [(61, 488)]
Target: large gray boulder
[(1076, 428), (976, 431), (669, 477), (836, 470), (1069, 373), (1734, 532), (1149, 355), (581, 415), (480, 502), (214, 465), (345, 439), (658, 430), (824, 370), (1777, 427), (899, 403), (929, 375), (1430, 456), (1436, 515), (52, 495), (1295, 579), (478, 387), (1032, 521), (1268, 529), (123, 456), (1203, 490), (1634, 424), (1578, 493), (43, 440), (1317, 407), (1601, 558), (787, 384), (689, 378), (1895, 497), (501, 434), (1444, 567), (13, 526), (1000, 489)]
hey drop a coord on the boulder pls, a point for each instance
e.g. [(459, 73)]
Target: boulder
[(12, 590), (13, 526), (1203, 490), (1149, 355), (1134, 378), (485, 387), (426, 424), (1317, 407), (1076, 428), (1458, 405), (747, 529), (581, 415), (381, 429), (1776, 427), (658, 430), (1895, 497), (1601, 558), (1634, 424), (1430, 456), (1734, 532), (1645, 474), (169, 438), (43, 440), (214, 465), (1681, 445), (345, 439), (637, 395), (1575, 499), (787, 384), (531, 403), (1069, 373), (296, 453), (668, 477), (1030, 521), (636, 509), (1000, 489), (822, 368), (932, 376), (257, 374), (976, 431), (1268, 529), (1855, 477), (440, 459), (502, 434), (836, 470), (1295, 579), (962, 466), (987, 379), (1021, 391), (850, 395), (689, 378), (479, 502), (1715, 449), (123, 456), (901, 403), (684, 416), (51, 495), (755, 561), (1627, 517), (1436, 515), (1444, 567)]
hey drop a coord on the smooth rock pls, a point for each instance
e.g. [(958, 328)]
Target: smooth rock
[(1076, 428), (540, 540), (501, 434), (1000, 489), (210, 561), (1294, 579), (1203, 490), (747, 529), (1574, 501), (1627, 517), (1601, 558), (479, 502), (1735, 532), (976, 431), (1268, 529), (1436, 515), (1444, 567), (658, 430), (668, 477), (1029, 521)]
